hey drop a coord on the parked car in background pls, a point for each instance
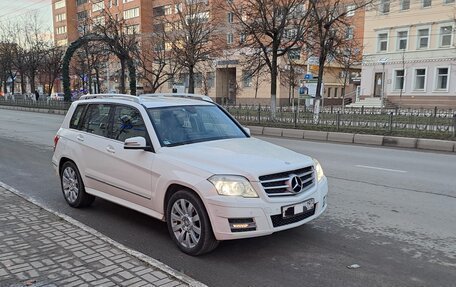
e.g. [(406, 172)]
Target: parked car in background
[(185, 160), (57, 96)]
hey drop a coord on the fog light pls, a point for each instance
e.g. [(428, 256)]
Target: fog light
[(242, 224)]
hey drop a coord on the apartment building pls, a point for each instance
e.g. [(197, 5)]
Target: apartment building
[(225, 77), (409, 53)]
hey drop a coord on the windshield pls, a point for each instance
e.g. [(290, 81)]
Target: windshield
[(190, 124)]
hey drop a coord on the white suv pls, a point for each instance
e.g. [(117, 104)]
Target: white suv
[(184, 160)]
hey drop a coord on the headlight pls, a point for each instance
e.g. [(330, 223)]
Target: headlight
[(318, 170), (232, 185)]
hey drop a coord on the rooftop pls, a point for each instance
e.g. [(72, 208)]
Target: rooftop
[(153, 100)]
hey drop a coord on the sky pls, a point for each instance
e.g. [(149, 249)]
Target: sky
[(11, 10)]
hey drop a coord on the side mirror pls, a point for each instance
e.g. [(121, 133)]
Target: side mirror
[(136, 143), (247, 130)]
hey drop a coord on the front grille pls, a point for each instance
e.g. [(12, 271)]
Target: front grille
[(276, 184), (278, 220)]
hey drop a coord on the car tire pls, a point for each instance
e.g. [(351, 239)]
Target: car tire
[(72, 186), (188, 223)]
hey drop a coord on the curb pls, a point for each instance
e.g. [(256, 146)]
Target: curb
[(136, 254), (364, 139), (36, 110)]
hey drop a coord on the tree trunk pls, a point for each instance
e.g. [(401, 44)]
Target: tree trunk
[(97, 81), (32, 82), (122, 76), (318, 96), (273, 85), (23, 88), (191, 80)]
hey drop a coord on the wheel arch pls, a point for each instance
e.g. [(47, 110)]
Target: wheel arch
[(173, 188)]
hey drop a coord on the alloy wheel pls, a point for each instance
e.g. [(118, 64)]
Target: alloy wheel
[(185, 223)]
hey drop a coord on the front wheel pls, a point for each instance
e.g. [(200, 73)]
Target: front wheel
[(189, 224), (73, 187)]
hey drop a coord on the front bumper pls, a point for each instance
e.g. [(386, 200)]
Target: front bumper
[(266, 212)]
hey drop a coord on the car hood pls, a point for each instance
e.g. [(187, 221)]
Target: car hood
[(249, 157)]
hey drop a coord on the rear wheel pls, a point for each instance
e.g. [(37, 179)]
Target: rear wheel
[(73, 187), (189, 224)]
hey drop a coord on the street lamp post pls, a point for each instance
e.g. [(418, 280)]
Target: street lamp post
[(383, 61)]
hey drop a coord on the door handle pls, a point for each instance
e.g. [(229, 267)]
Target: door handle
[(110, 149), (80, 138)]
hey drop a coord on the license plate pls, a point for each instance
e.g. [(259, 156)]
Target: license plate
[(295, 209)]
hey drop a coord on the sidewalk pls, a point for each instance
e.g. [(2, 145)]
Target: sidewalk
[(39, 248)]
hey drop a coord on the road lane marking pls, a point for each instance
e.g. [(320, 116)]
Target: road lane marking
[(381, 168)]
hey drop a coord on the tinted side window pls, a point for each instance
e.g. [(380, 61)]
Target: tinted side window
[(96, 119), (77, 116), (127, 123)]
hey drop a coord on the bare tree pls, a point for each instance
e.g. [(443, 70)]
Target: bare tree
[(329, 22), (272, 28), (123, 41), (291, 73), (52, 66), (155, 62), (192, 34), (349, 56), (35, 46)]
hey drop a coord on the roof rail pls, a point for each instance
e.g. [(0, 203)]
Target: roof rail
[(177, 95), (112, 96)]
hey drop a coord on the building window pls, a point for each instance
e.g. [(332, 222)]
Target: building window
[(294, 54), (198, 78), (132, 29), (382, 42), (210, 79), (99, 21), (402, 40), (168, 9), (229, 38), (82, 15), (242, 38), (59, 4), (349, 33), (405, 5), (126, 1), (230, 17), (246, 78), (420, 79), (442, 78), (446, 36), (60, 17), (80, 2), (113, 3), (448, 1), (426, 3), (98, 6), (384, 6), (351, 10), (61, 30), (399, 76), (158, 11), (423, 38), (178, 8), (131, 13)]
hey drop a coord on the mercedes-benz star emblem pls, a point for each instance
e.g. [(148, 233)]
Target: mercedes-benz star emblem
[(295, 183)]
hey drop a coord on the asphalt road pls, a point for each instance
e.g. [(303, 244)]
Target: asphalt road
[(392, 211)]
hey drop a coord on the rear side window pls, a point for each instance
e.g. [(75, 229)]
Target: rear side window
[(77, 117), (96, 119), (127, 123)]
